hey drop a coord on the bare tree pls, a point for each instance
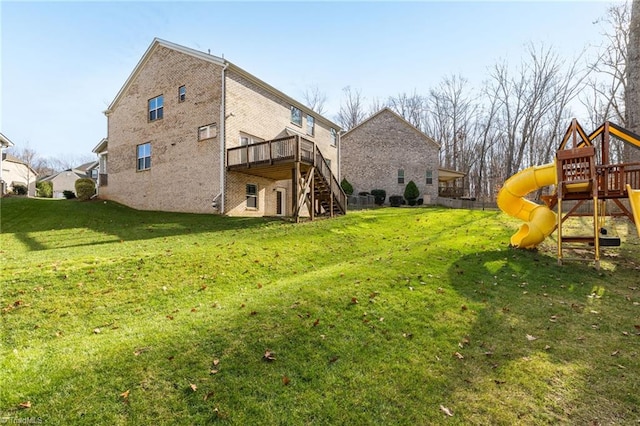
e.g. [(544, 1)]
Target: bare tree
[(352, 110), (376, 105), (410, 107), (604, 98), (315, 99), (452, 109), (633, 79)]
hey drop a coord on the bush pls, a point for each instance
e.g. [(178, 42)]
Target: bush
[(85, 188), (44, 189), (19, 189), (420, 201), (69, 195), (346, 186), (396, 200), (411, 193), (363, 193), (380, 195)]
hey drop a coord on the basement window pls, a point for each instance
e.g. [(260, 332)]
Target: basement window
[(252, 196)]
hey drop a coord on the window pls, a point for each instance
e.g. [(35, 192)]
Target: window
[(311, 125), (252, 196), (155, 108), (400, 176), (182, 93), (296, 116), (144, 156), (429, 176), (334, 136), (328, 162), (208, 131)]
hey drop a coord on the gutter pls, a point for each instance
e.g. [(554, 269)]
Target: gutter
[(222, 140)]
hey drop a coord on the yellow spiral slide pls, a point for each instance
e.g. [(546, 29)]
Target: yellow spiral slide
[(539, 220)]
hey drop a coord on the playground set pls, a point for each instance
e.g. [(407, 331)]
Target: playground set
[(579, 180)]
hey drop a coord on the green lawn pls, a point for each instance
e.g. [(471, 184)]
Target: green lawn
[(393, 316)]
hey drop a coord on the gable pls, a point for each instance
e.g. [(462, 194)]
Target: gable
[(387, 127)]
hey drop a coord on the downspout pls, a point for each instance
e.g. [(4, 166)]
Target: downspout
[(339, 142), (222, 140)]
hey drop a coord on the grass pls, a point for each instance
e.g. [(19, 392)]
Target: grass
[(115, 316)]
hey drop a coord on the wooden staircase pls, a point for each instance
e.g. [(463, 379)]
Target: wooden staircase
[(320, 190)]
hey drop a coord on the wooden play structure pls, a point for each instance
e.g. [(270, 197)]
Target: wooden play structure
[(584, 179)]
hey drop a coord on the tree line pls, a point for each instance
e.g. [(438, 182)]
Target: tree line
[(518, 116)]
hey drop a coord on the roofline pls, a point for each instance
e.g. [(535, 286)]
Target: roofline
[(420, 132), (218, 61), (5, 141), (154, 44), (16, 160), (103, 141), (462, 174), (283, 95)]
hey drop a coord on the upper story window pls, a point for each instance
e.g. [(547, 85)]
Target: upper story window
[(144, 156), (311, 125), (334, 136), (400, 176), (429, 177), (182, 93), (155, 108), (208, 131), (296, 116)]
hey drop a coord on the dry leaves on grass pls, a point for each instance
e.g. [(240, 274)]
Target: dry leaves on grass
[(269, 356), (25, 405), (445, 410)]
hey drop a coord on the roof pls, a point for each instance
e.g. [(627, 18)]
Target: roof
[(218, 61), (447, 175), (55, 175), (84, 167), (10, 158), (400, 118), (5, 142), (101, 147)]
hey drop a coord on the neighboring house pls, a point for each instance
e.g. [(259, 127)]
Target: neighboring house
[(66, 180), (192, 132), (386, 152), (17, 172), (4, 144)]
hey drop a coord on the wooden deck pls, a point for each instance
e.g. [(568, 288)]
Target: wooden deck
[(300, 160)]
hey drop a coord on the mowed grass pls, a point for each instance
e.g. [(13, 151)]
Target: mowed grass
[(393, 316)]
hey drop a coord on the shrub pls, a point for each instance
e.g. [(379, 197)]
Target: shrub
[(45, 189), (85, 188), (363, 193), (420, 201), (68, 194), (411, 193), (396, 200), (380, 195), (20, 189), (346, 186)]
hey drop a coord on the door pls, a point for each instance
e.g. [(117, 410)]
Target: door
[(280, 202)]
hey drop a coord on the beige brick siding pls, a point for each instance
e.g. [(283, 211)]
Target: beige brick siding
[(253, 110), (184, 173), (372, 153)]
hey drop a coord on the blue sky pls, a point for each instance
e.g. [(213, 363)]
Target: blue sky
[(62, 63)]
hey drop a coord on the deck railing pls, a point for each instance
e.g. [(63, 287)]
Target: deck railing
[(323, 168), (290, 148), (613, 178)]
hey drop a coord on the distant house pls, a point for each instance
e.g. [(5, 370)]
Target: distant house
[(386, 152), (66, 180), (4, 144), (17, 172), (192, 132)]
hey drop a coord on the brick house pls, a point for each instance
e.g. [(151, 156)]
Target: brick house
[(386, 152), (192, 132)]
